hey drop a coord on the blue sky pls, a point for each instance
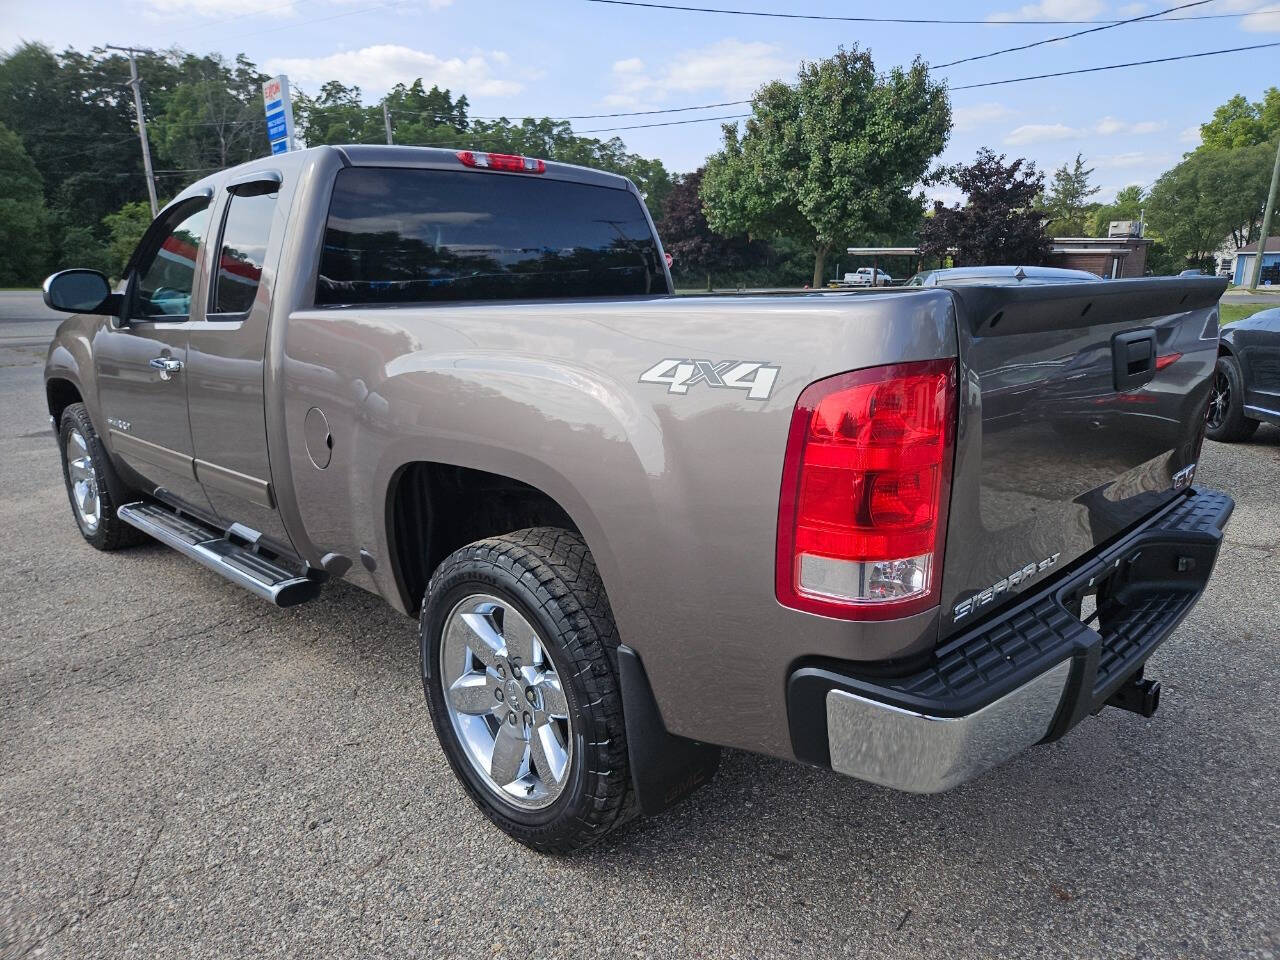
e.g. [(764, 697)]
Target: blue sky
[(565, 57)]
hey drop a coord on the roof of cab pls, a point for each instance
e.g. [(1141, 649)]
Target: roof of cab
[(442, 158)]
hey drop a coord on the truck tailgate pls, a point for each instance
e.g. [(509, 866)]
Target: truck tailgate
[(1081, 412)]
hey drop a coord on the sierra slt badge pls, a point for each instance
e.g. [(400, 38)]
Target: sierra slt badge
[(1003, 585), (678, 375)]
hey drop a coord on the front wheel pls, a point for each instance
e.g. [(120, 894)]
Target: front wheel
[(1225, 418), (517, 646), (89, 477)]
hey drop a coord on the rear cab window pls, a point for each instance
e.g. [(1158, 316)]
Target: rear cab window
[(241, 253), (412, 236)]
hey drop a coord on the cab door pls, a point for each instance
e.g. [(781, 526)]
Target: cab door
[(140, 358), (226, 352)]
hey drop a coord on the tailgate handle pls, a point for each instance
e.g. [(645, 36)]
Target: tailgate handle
[(1133, 356)]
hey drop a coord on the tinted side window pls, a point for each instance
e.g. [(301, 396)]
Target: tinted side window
[(244, 246), (166, 270), (403, 236)]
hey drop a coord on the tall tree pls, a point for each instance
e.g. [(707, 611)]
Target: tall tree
[(999, 223), (1209, 196), (23, 219), (832, 158), (1240, 123), (1126, 206), (1066, 201), (212, 117), (337, 115), (696, 249)]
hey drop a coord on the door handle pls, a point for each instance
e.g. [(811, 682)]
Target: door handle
[(167, 366)]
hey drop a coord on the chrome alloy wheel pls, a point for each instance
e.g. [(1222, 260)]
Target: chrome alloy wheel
[(1219, 400), (83, 480), (506, 702)]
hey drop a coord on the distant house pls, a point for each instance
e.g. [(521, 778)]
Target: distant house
[(1122, 254), (1246, 256)]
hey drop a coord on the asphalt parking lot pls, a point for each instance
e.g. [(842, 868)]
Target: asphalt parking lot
[(188, 772)]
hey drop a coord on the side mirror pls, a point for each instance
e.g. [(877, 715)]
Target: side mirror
[(80, 291)]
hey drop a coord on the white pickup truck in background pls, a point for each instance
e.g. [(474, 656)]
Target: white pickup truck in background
[(865, 277)]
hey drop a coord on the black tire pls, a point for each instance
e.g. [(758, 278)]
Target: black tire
[(548, 574), (1226, 420), (110, 532)]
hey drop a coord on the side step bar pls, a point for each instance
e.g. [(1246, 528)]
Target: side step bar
[(239, 563)]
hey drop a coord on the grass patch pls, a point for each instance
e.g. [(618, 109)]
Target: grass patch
[(1231, 312)]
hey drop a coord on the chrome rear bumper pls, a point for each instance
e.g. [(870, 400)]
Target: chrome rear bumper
[(920, 753), (1026, 674)]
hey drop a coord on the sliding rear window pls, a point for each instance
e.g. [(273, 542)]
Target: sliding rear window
[(413, 236)]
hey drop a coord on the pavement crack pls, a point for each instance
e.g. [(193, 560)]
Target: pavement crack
[(100, 905)]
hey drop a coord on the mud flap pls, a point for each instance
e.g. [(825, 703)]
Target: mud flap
[(665, 768)]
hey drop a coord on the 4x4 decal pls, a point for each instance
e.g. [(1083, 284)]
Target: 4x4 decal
[(679, 374)]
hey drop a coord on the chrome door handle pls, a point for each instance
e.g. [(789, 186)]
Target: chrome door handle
[(167, 366)]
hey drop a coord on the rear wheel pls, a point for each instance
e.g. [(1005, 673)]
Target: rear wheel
[(517, 645), (1226, 421), (90, 478)]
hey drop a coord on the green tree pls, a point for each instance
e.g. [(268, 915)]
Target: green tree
[(832, 158), (24, 222), (421, 116), (1067, 198), (125, 228), (1209, 196), (999, 223), (1240, 123), (697, 250), (1126, 206), (336, 115), (75, 117), (212, 118)]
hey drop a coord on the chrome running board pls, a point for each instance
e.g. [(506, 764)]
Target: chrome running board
[(238, 562)]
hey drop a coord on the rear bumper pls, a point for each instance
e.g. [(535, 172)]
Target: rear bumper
[(1027, 675)]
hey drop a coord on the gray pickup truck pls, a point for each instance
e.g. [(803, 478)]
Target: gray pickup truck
[(901, 534)]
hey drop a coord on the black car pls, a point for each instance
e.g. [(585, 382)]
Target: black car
[(1246, 388)]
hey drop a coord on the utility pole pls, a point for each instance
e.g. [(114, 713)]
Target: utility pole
[(1266, 221), (386, 120), (142, 125)]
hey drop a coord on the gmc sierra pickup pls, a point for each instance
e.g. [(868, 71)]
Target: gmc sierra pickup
[(902, 534)]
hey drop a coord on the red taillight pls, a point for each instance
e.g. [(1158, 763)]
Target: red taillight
[(862, 515), (1168, 360), (506, 162)]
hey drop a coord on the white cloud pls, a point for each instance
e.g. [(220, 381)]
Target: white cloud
[(732, 68), (1190, 135), (1134, 158), (978, 115), (381, 67), (1268, 21), (216, 8), (1053, 10), (1131, 10), (1041, 133), (1106, 127)]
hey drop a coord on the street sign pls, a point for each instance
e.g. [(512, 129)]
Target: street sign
[(275, 96)]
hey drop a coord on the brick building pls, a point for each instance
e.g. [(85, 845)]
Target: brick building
[(1109, 257)]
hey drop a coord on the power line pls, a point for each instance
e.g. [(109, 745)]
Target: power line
[(916, 20), (585, 116), (1069, 36), (1115, 66), (667, 123)]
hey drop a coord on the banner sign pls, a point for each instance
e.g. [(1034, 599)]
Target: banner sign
[(275, 94)]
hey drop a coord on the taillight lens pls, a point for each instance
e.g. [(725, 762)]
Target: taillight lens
[(862, 515), (506, 162)]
